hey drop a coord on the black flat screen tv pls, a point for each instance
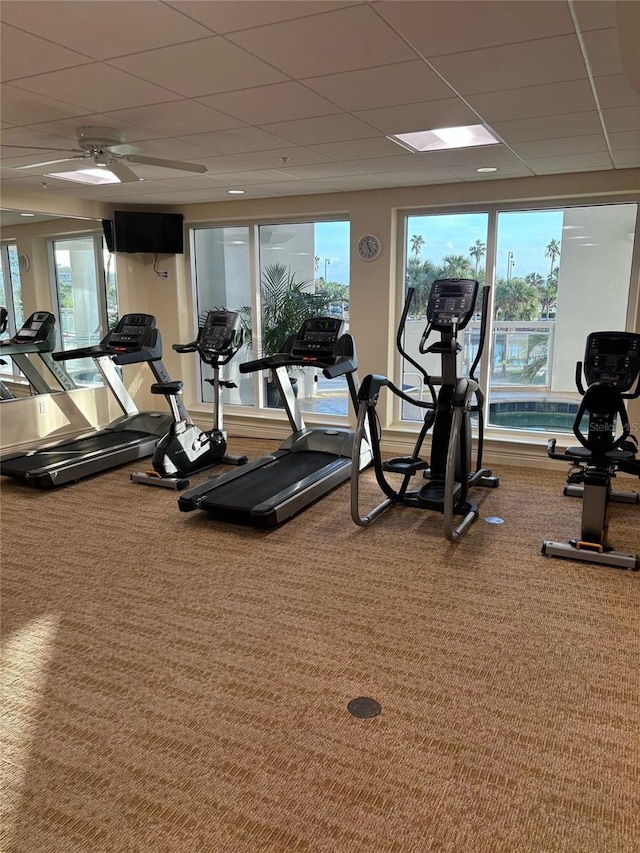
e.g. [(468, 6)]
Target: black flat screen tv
[(158, 233)]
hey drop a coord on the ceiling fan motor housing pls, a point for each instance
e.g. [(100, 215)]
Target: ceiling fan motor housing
[(96, 139)]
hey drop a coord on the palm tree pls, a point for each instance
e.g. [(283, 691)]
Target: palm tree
[(456, 266), (477, 252), (417, 242), (553, 252), (516, 300)]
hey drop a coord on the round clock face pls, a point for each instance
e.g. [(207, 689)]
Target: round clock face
[(368, 247)]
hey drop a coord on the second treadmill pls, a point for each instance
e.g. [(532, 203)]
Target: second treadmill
[(312, 461)]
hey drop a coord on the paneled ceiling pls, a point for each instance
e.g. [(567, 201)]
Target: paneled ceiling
[(291, 97)]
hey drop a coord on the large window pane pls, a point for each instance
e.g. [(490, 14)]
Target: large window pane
[(223, 280), (82, 300), (560, 274), (304, 270), (439, 246), (11, 299)]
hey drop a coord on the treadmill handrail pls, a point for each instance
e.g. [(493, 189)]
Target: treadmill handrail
[(93, 351)]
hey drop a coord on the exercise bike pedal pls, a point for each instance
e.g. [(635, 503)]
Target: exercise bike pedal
[(152, 478)]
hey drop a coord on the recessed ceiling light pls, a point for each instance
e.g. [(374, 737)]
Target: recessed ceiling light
[(87, 176), (27, 214), (235, 192), (487, 169), (445, 138)]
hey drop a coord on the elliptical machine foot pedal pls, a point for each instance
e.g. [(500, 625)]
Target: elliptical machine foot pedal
[(151, 478), (404, 465)]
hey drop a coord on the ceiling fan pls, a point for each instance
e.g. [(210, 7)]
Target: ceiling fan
[(97, 148)]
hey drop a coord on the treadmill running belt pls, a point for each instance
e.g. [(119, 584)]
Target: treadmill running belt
[(246, 492), (106, 441)]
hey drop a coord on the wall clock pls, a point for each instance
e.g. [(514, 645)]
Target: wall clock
[(368, 247)]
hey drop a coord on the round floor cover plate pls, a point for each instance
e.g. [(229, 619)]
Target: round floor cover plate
[(364, 708)]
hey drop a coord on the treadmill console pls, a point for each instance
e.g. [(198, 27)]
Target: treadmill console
[(38, 332), (317, 338), (612, 357), (452, 300), (133, 332), (220, 333)]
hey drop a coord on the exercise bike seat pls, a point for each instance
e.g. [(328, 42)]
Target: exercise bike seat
[(171, 388)]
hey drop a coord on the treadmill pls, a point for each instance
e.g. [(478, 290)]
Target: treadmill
[(37, 336), (312, 461), (132, 436)]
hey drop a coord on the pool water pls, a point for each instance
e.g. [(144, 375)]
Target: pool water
[(534, 415)]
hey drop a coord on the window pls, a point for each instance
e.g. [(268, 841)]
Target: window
[(448, 245), (279, 273), (86, 294), (559, 274), (11, 299)]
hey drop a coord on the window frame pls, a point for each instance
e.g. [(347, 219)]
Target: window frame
[(493, 210)]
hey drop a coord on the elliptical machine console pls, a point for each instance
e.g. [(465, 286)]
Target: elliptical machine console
[(186, 449)]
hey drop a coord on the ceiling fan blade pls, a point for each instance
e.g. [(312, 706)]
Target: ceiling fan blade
[(166, 164), (51, 162), (40, 148), (124, 173)]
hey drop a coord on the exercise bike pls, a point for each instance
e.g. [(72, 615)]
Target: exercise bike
[(186, 449), (611, 369), (448, 414)]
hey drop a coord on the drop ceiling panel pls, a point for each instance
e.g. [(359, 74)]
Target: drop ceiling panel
[(569, 163), (333, 128), (277, 102), (200, 68), (321, 170), (97, 88), (20, 107), (449, 112), (627, 159), (225, 16), (103, 28), (603, 51), (294, 157), (344, 40), (378, 165), (623, 118), (511, 66), (437, 28), (384, 86), (626, 140), (550, 127), (360, 149), (225, 165), (24, 54), (237, 141), (616, 91), (595, 14), (552, 147), (506, 170), (184, 116), (420, 177), (550, 99)]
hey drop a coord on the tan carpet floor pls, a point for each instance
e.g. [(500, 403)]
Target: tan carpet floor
[(173, 684)]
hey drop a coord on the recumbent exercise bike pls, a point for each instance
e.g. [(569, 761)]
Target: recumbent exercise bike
[(186, 449), (612, 371)]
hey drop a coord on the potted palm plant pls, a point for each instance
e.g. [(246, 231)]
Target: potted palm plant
[(286, 302)]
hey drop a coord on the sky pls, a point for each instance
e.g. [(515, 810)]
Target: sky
[(525, 233)]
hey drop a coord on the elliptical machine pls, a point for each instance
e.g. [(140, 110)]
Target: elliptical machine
[(186, 449), (612, 369), (450, 307)]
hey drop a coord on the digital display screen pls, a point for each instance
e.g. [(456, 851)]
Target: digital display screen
[(133, 320), (322, 325)]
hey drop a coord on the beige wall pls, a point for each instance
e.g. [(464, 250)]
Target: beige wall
[(374, 296)]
